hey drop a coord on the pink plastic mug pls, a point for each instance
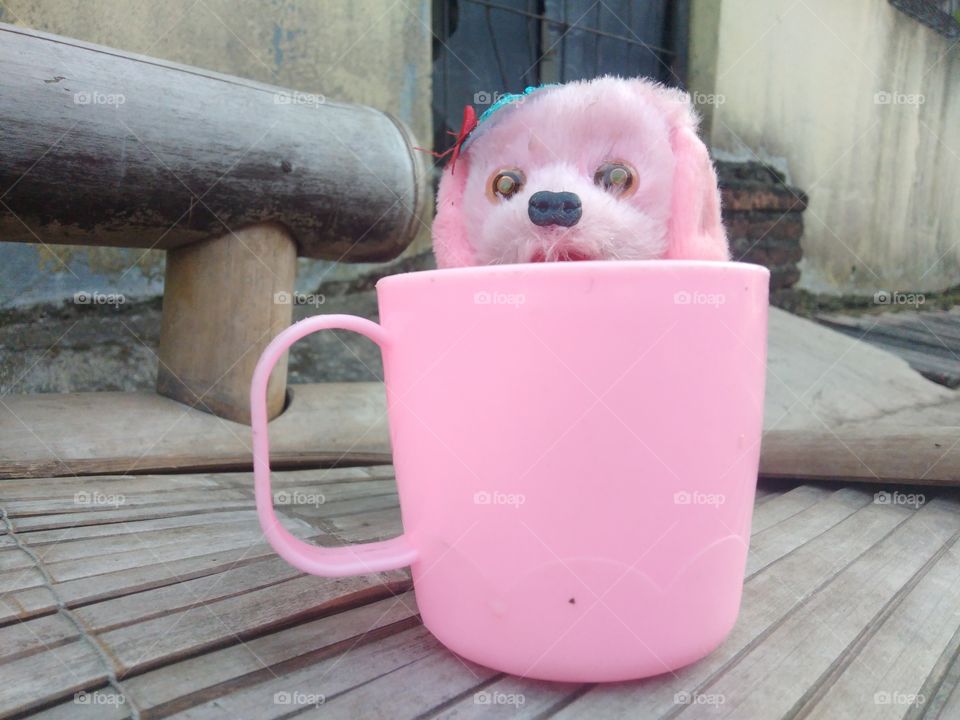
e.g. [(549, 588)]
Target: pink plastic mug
[(576, 450)]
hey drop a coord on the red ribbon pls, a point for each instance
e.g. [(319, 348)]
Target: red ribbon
[(468, 124)]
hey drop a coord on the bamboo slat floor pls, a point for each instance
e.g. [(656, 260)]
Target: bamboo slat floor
[(155, 596)]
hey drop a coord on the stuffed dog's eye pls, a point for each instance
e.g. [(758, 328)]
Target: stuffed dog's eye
[(616, 178), (506, 183)]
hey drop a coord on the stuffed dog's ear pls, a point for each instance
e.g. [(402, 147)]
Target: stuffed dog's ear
[(450, 243), (695, 230)]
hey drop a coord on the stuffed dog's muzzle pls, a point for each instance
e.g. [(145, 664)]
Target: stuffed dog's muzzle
[(555, 208)]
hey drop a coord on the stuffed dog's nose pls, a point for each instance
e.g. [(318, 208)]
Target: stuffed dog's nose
[(555, 208)]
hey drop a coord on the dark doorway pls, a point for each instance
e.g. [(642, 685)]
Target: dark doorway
[(486, 47)]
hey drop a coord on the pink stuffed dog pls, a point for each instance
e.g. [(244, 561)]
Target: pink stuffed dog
[(606, 169)]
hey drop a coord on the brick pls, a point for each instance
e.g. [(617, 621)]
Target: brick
[(780, 255), (754, 226), (762, 198), (731, 172), (755, 255), (782, 278)]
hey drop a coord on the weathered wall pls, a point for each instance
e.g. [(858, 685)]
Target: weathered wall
[(826, 87), (364, 51)]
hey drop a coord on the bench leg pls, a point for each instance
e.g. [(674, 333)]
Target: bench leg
[(224, 299)]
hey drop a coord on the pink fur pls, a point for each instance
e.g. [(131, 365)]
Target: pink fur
[(558, 136)]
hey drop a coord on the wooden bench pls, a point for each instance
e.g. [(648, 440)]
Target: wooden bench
[(234, 179)]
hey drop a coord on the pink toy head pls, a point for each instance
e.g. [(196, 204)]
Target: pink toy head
[(610, 168)]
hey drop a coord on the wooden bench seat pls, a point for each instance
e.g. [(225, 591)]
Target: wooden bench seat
[(235, 179)]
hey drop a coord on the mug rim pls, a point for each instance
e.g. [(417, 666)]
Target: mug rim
[(602, 267)]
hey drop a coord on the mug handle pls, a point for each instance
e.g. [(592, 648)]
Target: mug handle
[(327, 561)]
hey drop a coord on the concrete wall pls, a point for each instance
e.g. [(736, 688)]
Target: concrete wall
[(364, 51), (862, 105)]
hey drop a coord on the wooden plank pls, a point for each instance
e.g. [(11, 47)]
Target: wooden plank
[(769, 598), (231, 671), (344, 178), (161, 640), (98, 704), (136, 562), (337, 499), (25, 638), (786, 505), (65, 522), (773, 677), (923, 456), (150, 539), (330, 677), (512, 697), (129, 559), (40, 538), (83, 503), (113, 432), (35, 600), (160, 573), (329, 476), (363, 526), (207, 500), (19, 578), (943, 701), (355, 506), (160, 601), (426, 682), (769, 545), (42, 678), (14, 559), (59, 487), (764, 491), (894, 663), (22, 604)]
